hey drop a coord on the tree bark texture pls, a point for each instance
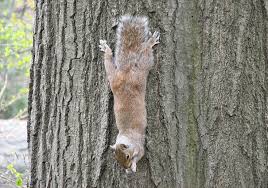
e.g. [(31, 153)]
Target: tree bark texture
[(206, 95)]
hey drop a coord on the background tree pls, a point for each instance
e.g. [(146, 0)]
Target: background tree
[(206, 96), (15, 56)]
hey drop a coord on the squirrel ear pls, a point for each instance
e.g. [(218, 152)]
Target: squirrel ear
[(113, 147), (123, 146)]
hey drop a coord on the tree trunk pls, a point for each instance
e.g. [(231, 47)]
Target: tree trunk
[(206, 95)]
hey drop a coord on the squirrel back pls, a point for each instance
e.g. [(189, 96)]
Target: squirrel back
[(132, 32)]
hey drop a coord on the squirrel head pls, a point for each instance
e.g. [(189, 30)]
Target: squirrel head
[(125, 156)]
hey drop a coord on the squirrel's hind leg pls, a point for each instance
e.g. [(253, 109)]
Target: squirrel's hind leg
[(108, 59), (147, 52)]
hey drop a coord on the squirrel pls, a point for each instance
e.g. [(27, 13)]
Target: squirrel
[(127, 74)]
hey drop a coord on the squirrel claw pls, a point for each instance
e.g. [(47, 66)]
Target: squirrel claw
[(103, 46), (128, 171), (156, 35), (154, 39)]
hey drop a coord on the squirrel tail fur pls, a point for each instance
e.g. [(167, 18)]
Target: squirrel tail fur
[(132, 31)]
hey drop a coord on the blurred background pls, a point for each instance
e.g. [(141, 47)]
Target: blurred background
[(16, 21)]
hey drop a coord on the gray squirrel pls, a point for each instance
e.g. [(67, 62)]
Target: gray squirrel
[(127, 74)]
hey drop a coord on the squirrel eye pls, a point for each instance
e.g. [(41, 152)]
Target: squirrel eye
[(127, 157)]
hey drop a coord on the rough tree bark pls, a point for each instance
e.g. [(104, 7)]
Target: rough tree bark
[(206, 96)]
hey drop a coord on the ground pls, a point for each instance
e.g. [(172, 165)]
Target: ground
[(13, 150)]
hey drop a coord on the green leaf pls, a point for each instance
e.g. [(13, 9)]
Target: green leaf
[(19, 182), (24, 90), (7, 51), (18, 175), (27, 73), (10, 166), (10, 65)]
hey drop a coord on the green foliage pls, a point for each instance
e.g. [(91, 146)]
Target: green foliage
[(16, 42), (15, 55), (18, 175)]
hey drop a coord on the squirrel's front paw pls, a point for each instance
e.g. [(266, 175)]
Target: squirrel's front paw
[(154, 39), (103, 46)]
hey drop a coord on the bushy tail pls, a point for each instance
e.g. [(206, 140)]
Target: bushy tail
[(132, 31)]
